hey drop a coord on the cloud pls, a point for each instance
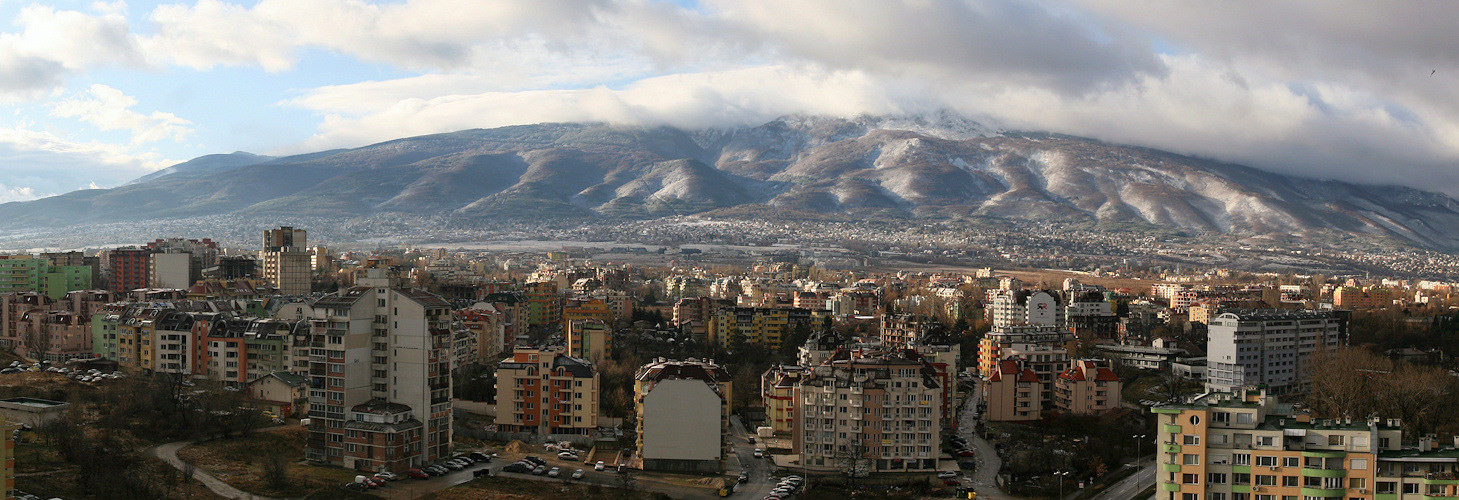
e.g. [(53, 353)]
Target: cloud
[(36, 163), (54, 44), (110, 109)]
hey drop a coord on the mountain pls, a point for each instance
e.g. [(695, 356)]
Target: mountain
[(940, 164)]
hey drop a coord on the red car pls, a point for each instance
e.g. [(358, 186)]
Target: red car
[(965, 453), (417, 473), (951, 482)]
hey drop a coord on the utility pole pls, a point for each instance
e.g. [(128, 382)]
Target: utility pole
[(1138, 439)]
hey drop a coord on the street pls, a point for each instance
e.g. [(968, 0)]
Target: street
[(760, 482), (985, 477), (1131, 486)]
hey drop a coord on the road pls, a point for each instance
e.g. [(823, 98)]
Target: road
[(168, 453), (985, 478), (1133, 485), (760, 482)]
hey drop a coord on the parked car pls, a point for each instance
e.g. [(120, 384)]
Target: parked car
[(577, 474), (480, 457), (453, 465), (759, 453), (946, 474), (599, 466), (388, 476), (965, 453), (567, 455), (481, 472), (354, 486), (554, 472), (417, 474), (540, 470), (535, 460), (518, 467)]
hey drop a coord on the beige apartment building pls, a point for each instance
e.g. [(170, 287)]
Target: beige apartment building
[(863, 412), (543, 391)]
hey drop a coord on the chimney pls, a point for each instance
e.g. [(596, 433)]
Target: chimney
[(1426, 443)]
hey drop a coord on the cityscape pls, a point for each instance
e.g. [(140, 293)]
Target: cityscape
[(738, 249), (734, 366)]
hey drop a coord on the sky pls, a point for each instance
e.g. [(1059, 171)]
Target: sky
[(94, 94)]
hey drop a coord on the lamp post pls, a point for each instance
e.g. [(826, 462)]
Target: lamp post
[(1063, 474), (1138, 439)]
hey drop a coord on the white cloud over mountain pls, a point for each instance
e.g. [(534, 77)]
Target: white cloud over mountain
[(1324, 89)]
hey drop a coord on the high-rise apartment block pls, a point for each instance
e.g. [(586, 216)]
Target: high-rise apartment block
[(1269, 347), (128, 268), (379, 365), (766, 326), (286, 262), (862, 413), (543, 391)]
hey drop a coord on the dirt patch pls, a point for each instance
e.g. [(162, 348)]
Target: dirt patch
[(240, 463), (517, 447), (506, 488)]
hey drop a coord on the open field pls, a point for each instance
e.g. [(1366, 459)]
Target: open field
[(240, 463)]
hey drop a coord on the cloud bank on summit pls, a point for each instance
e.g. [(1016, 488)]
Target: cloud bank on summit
[(100, 93)]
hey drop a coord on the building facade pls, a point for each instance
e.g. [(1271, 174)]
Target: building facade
[(380, 354), (544, 391), (1269, 346), (683, 412), (859, 413)]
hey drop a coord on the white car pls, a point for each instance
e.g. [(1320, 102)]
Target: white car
[(554, 472), (577, 474), (759, 453), (599, 466)]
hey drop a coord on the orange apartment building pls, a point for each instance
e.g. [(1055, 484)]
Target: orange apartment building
[(543, 391)]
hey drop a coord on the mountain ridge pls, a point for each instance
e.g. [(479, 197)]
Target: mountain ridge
[(939, 163)]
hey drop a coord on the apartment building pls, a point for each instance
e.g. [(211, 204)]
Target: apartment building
[(1088, 387), (1011, 393), (1368, 297), (285, 260), (1090, 316), (1005, 341), (683, 412), (544, 391), (1041, 308), (24, 273), (777, 392), (766, 326), (590, 339), (1269, 346), (1247, 445), (865, 411), (543, 304), (128, 268), (904, 330), (380, 370)]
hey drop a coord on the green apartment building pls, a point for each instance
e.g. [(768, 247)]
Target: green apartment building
[(26, 274)]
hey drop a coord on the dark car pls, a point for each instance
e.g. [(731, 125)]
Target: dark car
[(355, 486), (480, 457), (519, 467), (481, 472), (535, 460)]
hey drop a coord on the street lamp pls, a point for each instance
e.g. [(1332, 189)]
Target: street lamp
[(1138, 439), (1062, 475)]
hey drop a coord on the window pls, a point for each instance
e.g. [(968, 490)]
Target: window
[(1241, 459), (1216, 478), (1291, 462), (1359, 464), (1192, 440), (1290, 481), (1387, 488), (1189, 496), (1334, 440), (1265, 480), (1410, 488), (1357, 482), (1190, 478), (1262, 461), (1240, 478)]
